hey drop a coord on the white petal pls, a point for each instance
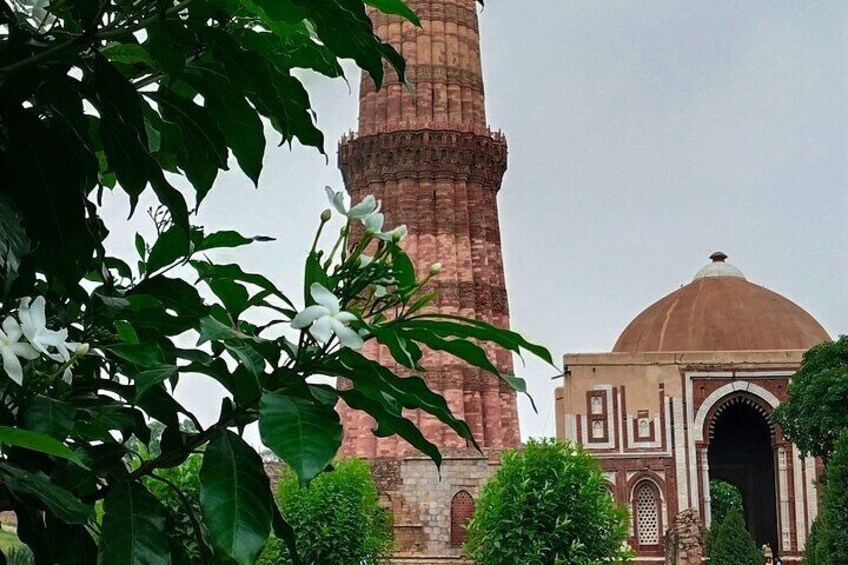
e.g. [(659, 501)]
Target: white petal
[(363, 209), (345, 317), (322, 329), (336, 199), (12, 366), (67, 376), (308, 315), (324, 297), (380, 291), (12, 329), (374, 222), (347, 336), (365, 260), (24, 351), (36, 312)]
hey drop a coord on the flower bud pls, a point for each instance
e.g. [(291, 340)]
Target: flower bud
[(325, 215), (435, 269), (82, 349)]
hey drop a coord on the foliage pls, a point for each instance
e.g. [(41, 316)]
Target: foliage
[(834, 534), (723, 496), (814, 414), (100, 95), (732, 544), (552, 497), (813, 546), (19, 555), (336, 519), (178, 489)]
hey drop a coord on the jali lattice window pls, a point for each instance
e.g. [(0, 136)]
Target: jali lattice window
[(462, 509), (646, 509)]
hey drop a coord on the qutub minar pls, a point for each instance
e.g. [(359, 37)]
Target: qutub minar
[(437, 168)]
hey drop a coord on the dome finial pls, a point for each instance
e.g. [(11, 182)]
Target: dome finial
[(718, 268)]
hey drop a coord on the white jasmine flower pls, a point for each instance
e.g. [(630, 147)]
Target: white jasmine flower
[(325, 319), (374, 224), (361, 211), (365, 260), (34, 325), (11, 348)]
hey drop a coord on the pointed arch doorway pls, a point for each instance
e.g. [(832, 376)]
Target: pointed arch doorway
[(742, 452)]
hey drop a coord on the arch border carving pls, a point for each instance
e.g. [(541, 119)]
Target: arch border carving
[(755, 393)]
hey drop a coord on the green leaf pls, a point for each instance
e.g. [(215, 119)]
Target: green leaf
[(49, 416), (126, 332), (465, 350), (145, 354), (402, 267), (305, 434), (448, 325), (204, 150), (235, 498), (397, 7), (390, 421), (125, 140), (14, 243), (209, 271), (35, 441), (233, 296), (133, 527), (61, 503), (404, 351), (374, 379), (213, 330), (128, 54), (314, 273), (171, 246), (47, 185), (147, 379), (228, 238), (251, 359), (284, 531)]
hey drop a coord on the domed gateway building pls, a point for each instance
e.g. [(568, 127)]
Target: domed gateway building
[(686, 396)]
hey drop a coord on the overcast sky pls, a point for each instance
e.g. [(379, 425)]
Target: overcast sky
[(643, 136)]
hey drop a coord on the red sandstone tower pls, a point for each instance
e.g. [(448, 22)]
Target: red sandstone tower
[(437, 168)]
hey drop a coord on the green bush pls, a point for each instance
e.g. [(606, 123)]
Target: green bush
[(732, 544), (834, 534), (547, 504), (336, 519), (723, 496), (814, 543)]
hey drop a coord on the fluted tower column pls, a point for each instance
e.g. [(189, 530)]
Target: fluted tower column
[(431, 159)]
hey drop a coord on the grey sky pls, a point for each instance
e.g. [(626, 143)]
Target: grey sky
[(643, 136)]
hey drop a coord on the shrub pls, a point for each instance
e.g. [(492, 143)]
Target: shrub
[(732, 544), (814, 543), (834, 534), (336, 519), (724, 496), (547, 503)]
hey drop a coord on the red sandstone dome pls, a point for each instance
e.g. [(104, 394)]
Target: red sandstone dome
[(721, 311)]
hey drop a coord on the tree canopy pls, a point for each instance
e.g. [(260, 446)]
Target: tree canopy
[(814, 414), (337, 519), (547, 504), (732, 544), (158, 97)]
